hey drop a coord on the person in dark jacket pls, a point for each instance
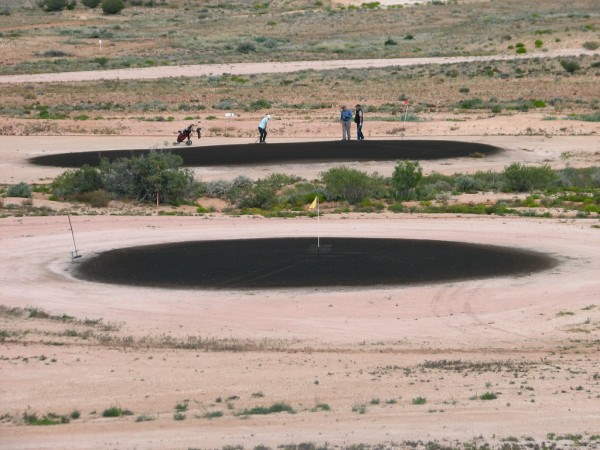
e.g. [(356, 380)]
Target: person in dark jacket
[(358, 120)]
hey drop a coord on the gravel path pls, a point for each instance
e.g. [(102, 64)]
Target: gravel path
[(268, 67)]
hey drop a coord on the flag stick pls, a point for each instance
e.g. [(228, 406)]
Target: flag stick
[(75, 253), (318, 236)]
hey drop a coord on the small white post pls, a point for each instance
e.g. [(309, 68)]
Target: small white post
[(100, 43)]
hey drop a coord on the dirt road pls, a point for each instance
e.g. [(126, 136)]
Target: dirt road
[(267, 67)]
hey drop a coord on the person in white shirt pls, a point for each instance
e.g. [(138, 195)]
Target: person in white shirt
[(262, 128)]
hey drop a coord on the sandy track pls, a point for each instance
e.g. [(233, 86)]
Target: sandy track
[(269, 67), (498, 318)]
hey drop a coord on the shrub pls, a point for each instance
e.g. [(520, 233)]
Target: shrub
[(539, 43), (246, 47), (53, 5), (112, 6), (115, 411), (570, 65), (54, 54), (73, 182), (488, 396), (521, 50), (419, 401), (260, 104), (390, 41), (465, 183), (406, 178), (273, 409), (261, 195), (408, 37), (521, 178), (226, 104), (143, 177), (91, 3), (19, 190), (348, 184), (464, 90), (591, 45), (98, 198)]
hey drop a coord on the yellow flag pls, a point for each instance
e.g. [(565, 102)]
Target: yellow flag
[(313, 205)]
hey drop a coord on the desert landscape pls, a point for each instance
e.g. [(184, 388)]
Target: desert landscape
[(434, 286)]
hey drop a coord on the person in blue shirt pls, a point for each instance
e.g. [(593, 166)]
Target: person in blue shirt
[(346, 119), (262, 128)]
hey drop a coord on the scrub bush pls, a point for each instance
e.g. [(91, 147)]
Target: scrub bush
[(570, 66), (522, 178), (112, 6), (52, 5), (466, 183), (19, 190), (73, 182), (143, 177), (90, 3), (261, 195), (406, 178), (347, 184)]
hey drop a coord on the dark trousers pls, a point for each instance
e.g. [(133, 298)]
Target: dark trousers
[(263, 134), (359, 134)]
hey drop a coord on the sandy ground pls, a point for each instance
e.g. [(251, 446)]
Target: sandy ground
[(350, 346), (582, 151), (269, 67)]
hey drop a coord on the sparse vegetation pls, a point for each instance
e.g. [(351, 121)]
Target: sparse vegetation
[(419, 401), (273, 409), (116, 411)]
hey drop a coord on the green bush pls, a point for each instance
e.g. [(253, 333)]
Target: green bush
[(570, 65), (260, 104), (262, 195), (539, 43), (97, 199), (112, 6), (19, 190), (52, 5), (143, 177), (115, 411), (521, 178), (246, 47), (406, 178), (466, 183), (74, 182), (91, 3), (591, 45), (347, 184), (521, 50), (390, 41)]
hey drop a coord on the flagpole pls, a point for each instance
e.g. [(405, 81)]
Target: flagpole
[(318, 236)]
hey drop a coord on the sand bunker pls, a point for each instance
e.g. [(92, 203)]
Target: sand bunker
[(295, 262), (251, 154)]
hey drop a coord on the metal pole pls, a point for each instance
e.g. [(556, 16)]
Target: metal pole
[(318, 235), (75, 252)]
